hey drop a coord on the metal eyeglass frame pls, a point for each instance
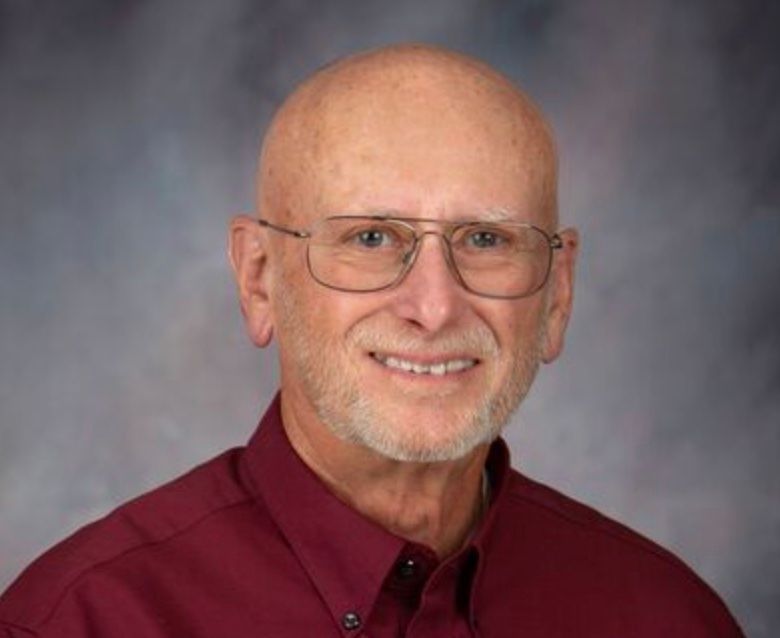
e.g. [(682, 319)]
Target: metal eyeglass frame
[(553, 241)]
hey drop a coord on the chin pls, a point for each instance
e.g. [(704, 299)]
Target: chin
[(411, 453), (419, 437), (414, 450)]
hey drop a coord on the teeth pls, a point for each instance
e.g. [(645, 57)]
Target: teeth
[(439, 369), (458, 364), (436, 369)]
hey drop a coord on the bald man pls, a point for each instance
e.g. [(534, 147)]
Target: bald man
[(407, 258)]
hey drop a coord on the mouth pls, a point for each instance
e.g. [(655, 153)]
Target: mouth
[(438, 368)]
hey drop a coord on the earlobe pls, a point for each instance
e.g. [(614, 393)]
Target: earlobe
[(248, 257), (561, 296)]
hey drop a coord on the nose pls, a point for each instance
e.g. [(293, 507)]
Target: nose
[(430, 296)]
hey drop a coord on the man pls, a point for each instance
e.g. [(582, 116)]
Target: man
[(408, 261)]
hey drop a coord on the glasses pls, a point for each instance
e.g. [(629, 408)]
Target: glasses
[(367, 253)]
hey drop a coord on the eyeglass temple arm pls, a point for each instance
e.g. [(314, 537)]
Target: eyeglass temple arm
[(301, 234)]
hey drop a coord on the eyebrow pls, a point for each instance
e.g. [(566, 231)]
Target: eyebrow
[(499, 214)]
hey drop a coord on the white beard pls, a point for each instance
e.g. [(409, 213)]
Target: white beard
[(341, 403)]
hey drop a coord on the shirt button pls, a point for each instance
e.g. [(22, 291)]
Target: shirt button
[(406, 568), (350, 620)]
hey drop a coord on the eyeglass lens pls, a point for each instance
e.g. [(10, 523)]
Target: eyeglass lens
[(501, 259)]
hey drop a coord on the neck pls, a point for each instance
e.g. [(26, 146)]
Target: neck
[(434, 504)]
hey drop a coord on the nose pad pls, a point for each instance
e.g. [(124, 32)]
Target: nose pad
[(449, 257), (410, 257)]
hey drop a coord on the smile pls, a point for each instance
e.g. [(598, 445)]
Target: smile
[(436, 369)]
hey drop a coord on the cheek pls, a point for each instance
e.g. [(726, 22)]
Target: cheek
[(322, 314), (517, 324), (342, 311)]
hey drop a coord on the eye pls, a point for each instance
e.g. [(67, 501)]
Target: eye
[(372, 238), (484, 239)]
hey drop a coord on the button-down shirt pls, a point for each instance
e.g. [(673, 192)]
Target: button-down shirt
[(252, 543)]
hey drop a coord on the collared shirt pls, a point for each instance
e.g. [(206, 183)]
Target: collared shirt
[(253, 544)]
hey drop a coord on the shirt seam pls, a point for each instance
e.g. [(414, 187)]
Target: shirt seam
[(103, 563), (10, 625), (645, 545)]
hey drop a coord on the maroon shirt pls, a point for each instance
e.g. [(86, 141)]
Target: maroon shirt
[(253, 544)]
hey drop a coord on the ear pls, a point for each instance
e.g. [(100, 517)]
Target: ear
[(561, 294), (248, 254)]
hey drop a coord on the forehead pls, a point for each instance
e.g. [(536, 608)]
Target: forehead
[(419, 143)]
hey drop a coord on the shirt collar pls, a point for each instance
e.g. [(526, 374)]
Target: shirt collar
[(346, 556)]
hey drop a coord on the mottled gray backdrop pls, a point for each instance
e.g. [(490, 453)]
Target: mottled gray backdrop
[(127, 138)]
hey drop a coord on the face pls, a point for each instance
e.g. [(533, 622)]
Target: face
[(424, 371)]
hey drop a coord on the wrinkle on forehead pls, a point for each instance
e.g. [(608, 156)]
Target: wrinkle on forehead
[(384, 97)]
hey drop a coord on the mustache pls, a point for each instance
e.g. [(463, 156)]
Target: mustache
[(477, 342)]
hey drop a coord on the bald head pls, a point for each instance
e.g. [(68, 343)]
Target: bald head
[(416, 117)]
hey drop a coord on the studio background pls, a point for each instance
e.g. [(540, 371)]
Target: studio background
[(128, 134)]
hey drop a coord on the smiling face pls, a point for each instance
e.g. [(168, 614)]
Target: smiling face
[(425, 370)]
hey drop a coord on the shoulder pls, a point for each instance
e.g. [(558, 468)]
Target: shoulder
[(568, 519), (580, 549), (127, 536)]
